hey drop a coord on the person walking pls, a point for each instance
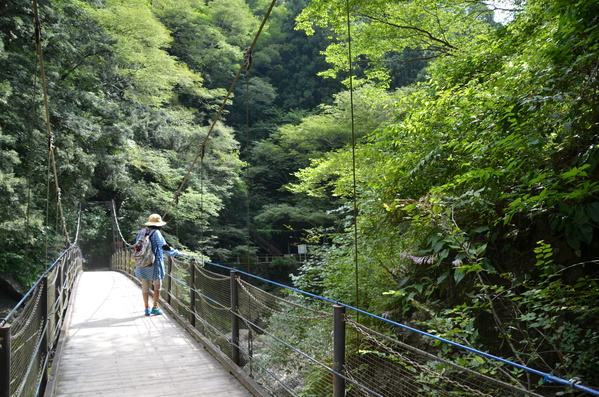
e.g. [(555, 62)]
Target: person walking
[(154, 273)]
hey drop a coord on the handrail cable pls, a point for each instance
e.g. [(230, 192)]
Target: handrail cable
[(242, 67), (546, 377), (30, 292), (265, 332), (38, 42), (362, 329), (301, 353)]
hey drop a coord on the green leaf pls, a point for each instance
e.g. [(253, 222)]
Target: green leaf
[(593, 211), (438, 246), (444, 275), (458, 275)]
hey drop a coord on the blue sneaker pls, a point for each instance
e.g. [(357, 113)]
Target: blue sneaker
[(147, 312), (156, 311)]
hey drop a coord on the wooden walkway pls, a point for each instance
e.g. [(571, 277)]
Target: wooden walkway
[(112, 349)]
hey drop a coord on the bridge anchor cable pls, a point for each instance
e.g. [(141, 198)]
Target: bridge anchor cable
[(245, 65)]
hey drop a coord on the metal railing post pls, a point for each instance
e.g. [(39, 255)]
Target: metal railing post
[(5, 361), (44, 346), (200, 310), (338, 350), (234, 318), (169, 281), (192, 292), (122, 262), (114, 257), (58, 288)]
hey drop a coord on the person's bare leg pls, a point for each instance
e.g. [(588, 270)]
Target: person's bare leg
[(156, 297), (157, 287), (145, 293)]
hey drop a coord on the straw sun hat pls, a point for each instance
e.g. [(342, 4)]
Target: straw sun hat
[(155, 220)]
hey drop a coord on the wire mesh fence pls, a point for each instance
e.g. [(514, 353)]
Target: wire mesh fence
[(288, 341), (29, 333), (287, 346), (26, 337), (390, 367)]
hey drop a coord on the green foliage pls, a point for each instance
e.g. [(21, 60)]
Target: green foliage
[(119, 123), (495, 152), (141, 43), (456, 178), (426, 26), (553, 314)]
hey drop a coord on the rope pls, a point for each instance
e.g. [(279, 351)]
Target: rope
[(116, 222), (302, 354), (355, 382), (320, 314), (30, 169), (188, 310), (414, 363), (33, 363), (245, 65), (38, 41), (547, 378), (253, 360), (203, 224), (370, 333), (222, 307), (204, 274), (24, 299)]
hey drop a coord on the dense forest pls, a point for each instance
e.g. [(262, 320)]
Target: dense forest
[(440, 166)]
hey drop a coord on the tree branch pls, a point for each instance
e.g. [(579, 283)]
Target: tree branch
[(413, 28)]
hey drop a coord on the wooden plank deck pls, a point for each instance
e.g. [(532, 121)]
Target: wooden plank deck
[(112, 349)]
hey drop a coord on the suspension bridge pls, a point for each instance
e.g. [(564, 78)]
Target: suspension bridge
[(83, 333), (228, 332)]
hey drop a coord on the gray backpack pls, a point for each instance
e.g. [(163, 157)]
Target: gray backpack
[(143, 255)]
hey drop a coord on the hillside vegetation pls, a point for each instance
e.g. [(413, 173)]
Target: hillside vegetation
[(445, 178)]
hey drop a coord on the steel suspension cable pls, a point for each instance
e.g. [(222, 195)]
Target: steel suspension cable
[(248, 159), (244, 66), (202, 188), (353, 145), (30, 168), (116, 222), (78, 225), (38, 42)]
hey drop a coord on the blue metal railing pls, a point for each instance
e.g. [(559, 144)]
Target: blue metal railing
[(183, 289)]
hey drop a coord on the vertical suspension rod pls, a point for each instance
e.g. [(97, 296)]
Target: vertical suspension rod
[(353, 142)]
